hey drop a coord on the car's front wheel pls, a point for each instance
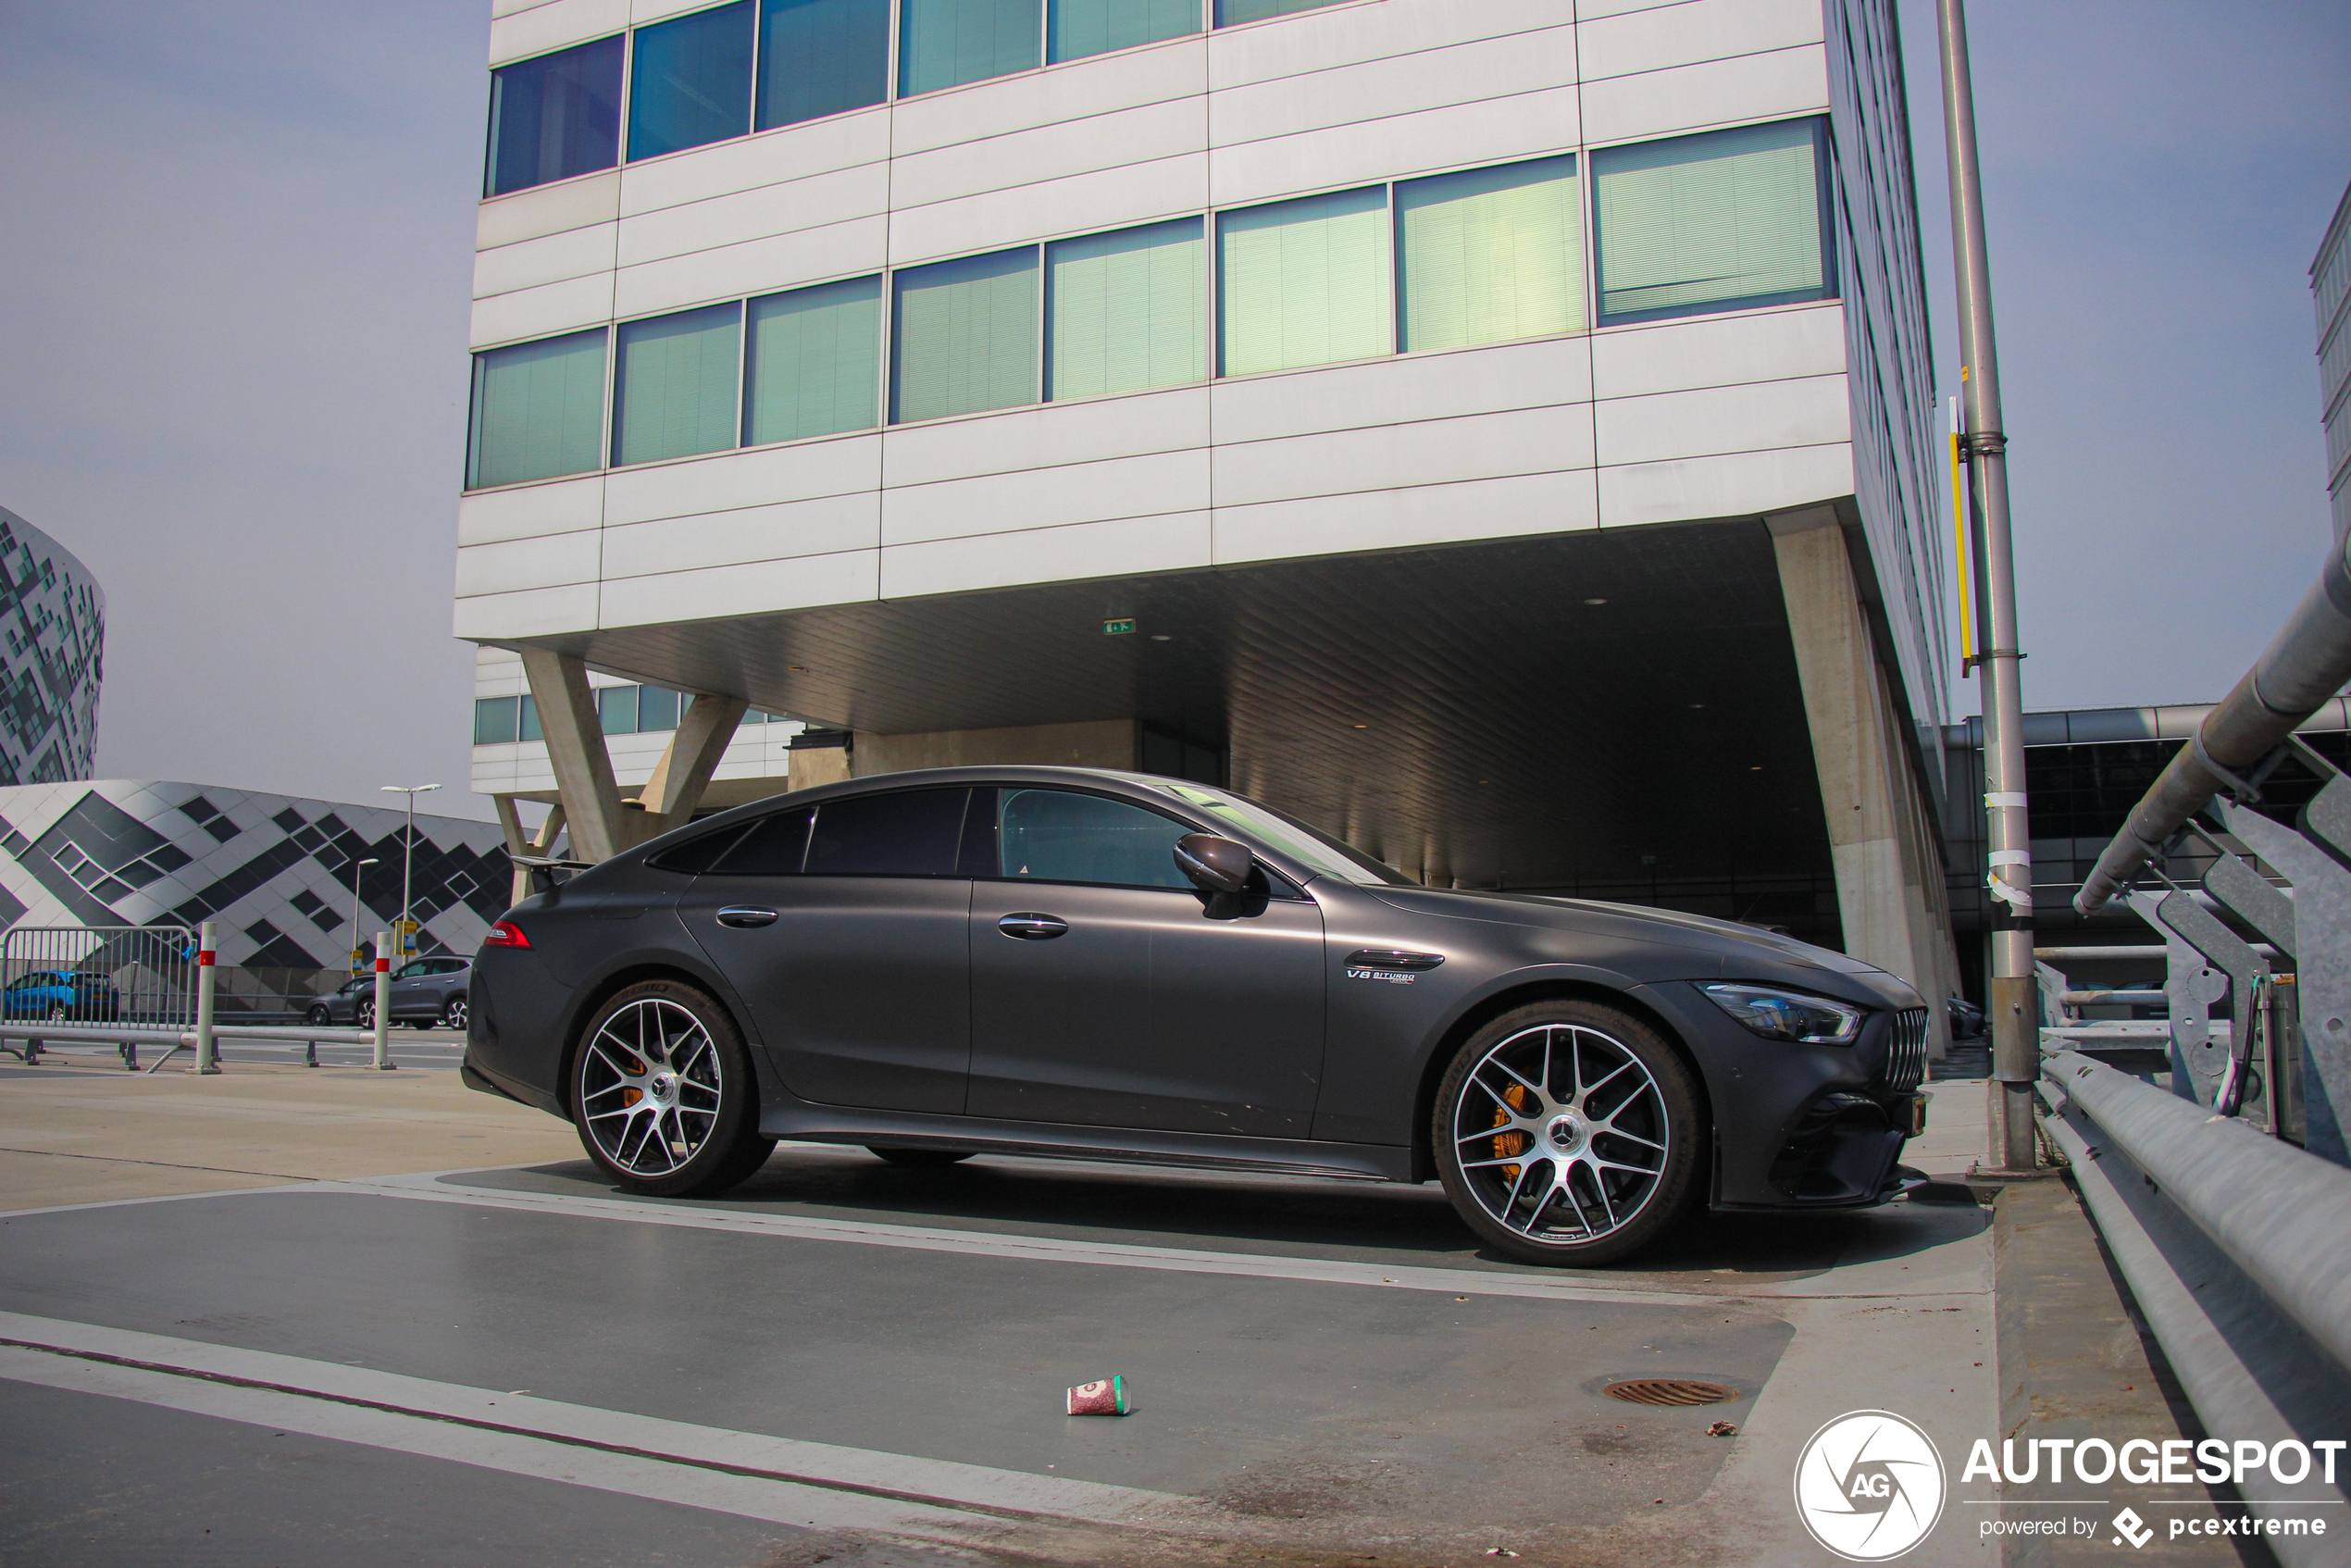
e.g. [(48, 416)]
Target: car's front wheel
[(1568, 1133), (663, 1094)]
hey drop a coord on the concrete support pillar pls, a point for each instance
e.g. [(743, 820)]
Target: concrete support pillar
[(812, 765), (676, 788), (1889, 874), (1108, 742), (576, 749), (520, 843)]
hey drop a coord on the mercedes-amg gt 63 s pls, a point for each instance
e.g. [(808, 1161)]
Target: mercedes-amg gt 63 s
[(1108, 965)]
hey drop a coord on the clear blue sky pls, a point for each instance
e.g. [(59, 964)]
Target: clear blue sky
[(239, 250)]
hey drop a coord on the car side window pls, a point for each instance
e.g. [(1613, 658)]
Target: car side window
[(905, 833), (1060, 835), (774, 847), (409, 971)]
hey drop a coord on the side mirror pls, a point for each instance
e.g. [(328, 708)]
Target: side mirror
[(1215, 864)]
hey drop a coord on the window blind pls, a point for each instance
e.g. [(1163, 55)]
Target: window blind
[(814, 365), (820, 57), (1078, 27), (1717, 222), (554, 117), (539, 410), (1230, 13), (1126, 310), (1304, 283), (965, 336), (689, 80), (673, 388), (1491, 255), (945, 42)]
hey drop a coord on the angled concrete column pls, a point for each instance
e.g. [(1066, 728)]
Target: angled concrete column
[(1888, 872), (519, 842), (576, 749), (676, 788)]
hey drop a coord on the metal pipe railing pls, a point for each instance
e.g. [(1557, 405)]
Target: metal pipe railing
[(2306, 663)]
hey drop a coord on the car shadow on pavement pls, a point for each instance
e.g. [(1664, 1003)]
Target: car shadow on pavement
[(1242, 1212)]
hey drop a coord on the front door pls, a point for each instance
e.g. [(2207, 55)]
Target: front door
[(1105, 995), (842, 928)]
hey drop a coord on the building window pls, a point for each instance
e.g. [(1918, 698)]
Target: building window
[(965, 336), (554, 117), (1725, 220), (1126, 311), (947, 43), (814, 363), (497, 721), (674, 389), (689, 82), (616, 709), (819, 58), (1489, 256), (1304, 283), (657, 709), (1232, 13), (539, 410), (1074, 29)]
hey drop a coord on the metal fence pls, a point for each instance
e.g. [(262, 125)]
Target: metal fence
[(139, 977)]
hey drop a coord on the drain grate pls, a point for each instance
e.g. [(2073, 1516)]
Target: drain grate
[(1669, 1391)]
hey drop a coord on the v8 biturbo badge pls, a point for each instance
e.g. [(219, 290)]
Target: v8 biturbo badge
[(1107, 1396)]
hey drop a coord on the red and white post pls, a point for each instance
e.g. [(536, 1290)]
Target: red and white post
[(208, 980), (383, 1001)]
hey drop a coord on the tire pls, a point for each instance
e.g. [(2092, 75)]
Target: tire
[(918, 1159), (1545, 1152), (661, 1089), (453, 1015), (422, 1023), (59, 1012), (364, 1013), (317, 1017)]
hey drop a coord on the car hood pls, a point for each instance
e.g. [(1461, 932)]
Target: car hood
[(1741, 952)]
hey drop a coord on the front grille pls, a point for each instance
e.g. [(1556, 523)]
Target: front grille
[(1905, 1050)]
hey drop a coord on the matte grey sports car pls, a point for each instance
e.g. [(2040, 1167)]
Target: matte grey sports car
[(1108, 966)]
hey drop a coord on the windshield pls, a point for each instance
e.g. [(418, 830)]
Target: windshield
[(1316, 850)]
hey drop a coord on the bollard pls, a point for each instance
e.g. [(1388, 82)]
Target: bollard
[(128, 1049), (207, 979), (33, 1052), (310, 1053), (383, 1001)]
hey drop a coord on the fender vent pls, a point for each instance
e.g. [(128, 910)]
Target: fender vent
[(1669, 1391)]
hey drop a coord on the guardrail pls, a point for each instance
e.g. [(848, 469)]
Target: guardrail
[(2237, 1248), (129, 1039)]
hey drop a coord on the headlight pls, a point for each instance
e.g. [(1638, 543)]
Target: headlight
[(1790, 1015)]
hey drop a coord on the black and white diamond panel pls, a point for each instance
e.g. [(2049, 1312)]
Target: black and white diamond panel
[(53, 622), (273, 872)]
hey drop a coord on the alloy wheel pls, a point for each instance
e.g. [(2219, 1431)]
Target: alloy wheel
[(454, 1014), (1562, 1134), (365, 1014), (649, 1087)]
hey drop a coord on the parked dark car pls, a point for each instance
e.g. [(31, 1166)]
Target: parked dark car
[(62, 995), (425, 992), (1967, 1018), (1098, 964)]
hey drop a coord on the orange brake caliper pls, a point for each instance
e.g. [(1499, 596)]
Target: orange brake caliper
[(1510, 1143)]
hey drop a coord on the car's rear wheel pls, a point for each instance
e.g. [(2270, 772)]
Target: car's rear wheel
[(317, 1016), (918, 1159), (365, 1014), (1568, 1133), (453, 1015), (58, 1012), (663, 1094)]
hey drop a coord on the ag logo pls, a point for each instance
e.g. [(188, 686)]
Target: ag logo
[(1869, 1486)]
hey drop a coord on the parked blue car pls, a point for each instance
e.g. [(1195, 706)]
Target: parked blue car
[(62, 995)]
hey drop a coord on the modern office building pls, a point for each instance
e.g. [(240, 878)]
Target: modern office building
[(2331, 286), (52, 657), (1499, 432)]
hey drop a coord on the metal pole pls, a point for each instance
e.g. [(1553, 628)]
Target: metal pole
[(207, 976), (2016, 1012), (358, 868), (407, 854), (383, 1001)]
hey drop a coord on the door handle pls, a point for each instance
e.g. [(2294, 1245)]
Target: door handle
[(742, 914), (1031, 926)]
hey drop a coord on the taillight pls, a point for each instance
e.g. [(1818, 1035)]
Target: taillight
[(505, 934)]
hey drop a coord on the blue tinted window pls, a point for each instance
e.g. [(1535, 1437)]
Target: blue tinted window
[(538, 409), (616, 706), (1079, 28), (946, 42), (821, 57), (554, 117), (690, 82), (1058, 836), (1232, 12), (531, 730), (657, 709), (495, 720)]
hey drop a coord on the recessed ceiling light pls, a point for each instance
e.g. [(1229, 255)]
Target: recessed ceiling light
[(1161, 637), (796, 670), (1596, 601), (1362, 726), (1697, 705)]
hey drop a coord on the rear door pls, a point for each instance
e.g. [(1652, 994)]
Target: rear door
[(1103, 994), (844, 929)]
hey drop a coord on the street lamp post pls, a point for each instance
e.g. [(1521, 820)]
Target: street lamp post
[(357, 868), (407, 852)]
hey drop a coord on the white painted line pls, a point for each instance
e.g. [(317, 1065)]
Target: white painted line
[(792, 1481)]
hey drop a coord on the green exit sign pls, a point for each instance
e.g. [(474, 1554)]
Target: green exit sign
[(1118, 627)]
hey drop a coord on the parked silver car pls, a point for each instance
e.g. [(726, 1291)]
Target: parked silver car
[(425, 992)]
